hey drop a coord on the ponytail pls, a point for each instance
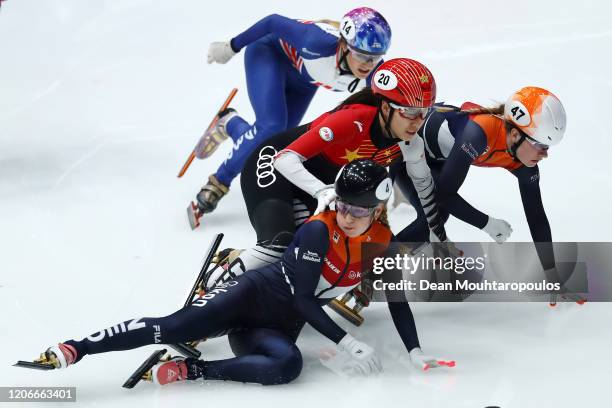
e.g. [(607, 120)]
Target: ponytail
[(363, 97), (333, 23), (497, 110)]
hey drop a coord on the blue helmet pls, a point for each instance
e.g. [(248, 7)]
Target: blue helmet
[(366, 30)]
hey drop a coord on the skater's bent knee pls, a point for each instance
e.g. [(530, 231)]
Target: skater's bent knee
[(288, 368)]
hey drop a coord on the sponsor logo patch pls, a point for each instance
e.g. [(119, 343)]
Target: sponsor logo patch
[(326, 134), (469, 149), (311, 256), (333, 267)]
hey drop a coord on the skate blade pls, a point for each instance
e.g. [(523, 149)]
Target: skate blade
[(193, 215), (186, 349), (343, 310), (34, 365), (44, 362), (144, 369)]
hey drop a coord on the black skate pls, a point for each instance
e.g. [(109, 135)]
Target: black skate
[(144, 371), (206, 200), (60, 356)]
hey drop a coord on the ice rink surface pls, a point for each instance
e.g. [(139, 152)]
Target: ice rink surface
[(101, 102)]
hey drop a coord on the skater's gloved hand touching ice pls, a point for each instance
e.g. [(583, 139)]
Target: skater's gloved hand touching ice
[(325, 197), (220, 52), (499, 230), (424, 362), (364, 359)]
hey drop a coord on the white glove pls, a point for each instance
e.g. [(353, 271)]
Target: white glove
[(363, 357), (325, 197), (220, 52), (424, 362), (499, 230)]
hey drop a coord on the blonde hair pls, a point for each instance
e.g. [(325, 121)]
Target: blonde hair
[(383, 218), (497, 110), (333, 23)]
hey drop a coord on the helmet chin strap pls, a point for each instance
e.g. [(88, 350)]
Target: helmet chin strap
[(387, 121), (343, 65), (515, 147)]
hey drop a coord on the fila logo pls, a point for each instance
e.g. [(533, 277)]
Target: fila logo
[(157, 334)]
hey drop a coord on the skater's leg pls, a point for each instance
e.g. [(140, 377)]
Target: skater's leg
[(263, 356), (266, 72), (299, 96), (227, 306)]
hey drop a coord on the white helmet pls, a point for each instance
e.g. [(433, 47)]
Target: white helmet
[(538, 113)]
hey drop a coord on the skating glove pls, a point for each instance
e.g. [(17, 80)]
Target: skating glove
[(425, 362), (364, 359), (220, 52), (325, 197), (499, 230)]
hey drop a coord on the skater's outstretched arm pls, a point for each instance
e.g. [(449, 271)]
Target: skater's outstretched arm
[(468, 145), (312, 246), (300, 35), (529, 185)]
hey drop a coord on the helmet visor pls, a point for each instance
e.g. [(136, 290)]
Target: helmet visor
[(365, 58), (410, 112), (536, 144), (355, 211)]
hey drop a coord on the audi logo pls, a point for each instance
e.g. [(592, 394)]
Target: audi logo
[(265, 169)]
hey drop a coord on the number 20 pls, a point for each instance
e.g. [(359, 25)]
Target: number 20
[(383, 79)]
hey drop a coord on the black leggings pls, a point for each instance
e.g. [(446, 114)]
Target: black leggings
[(262, 332), (274, 204)]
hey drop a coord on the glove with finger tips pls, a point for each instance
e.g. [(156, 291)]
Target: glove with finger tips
[(220, 52), (424, 362), (499, 230), (325, 197), (364, 359)]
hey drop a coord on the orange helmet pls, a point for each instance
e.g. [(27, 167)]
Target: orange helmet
[(538, 113)]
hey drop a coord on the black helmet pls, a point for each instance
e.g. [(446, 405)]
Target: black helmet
[(363, 183)]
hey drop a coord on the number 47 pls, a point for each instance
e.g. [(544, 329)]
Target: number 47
[(520, 112)]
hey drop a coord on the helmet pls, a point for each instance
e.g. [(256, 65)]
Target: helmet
[(363, 183), (538, 113), (366, 30), (405, 82)]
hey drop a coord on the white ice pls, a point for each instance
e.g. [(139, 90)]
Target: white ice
[(100, 103)]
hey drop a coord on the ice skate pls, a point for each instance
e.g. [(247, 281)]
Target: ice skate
[(341, 307), (210, 194), (60, 356), (224, 269), (165, 372), (217, 134)]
